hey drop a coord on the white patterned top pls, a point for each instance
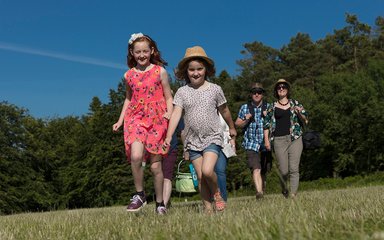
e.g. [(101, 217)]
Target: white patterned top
[(202, 122)]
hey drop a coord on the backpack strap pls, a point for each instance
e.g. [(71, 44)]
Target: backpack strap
[(264, 107), (251, 110)]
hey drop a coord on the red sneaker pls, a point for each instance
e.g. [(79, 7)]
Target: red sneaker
[(137, 203)]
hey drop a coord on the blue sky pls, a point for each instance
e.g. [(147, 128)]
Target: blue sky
[(56, 55)]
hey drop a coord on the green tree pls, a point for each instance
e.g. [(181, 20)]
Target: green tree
[(349, 114), (22, 183), (303, 61), (261, 64), (351, 46)]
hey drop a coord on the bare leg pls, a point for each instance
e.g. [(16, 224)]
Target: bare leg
[(206, 195), (257, 180), (210, 177), (203, 186), (158, 177), (167, 190), (137, 152), (208, 166)]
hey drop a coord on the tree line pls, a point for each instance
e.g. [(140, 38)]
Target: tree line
[(77, 161)]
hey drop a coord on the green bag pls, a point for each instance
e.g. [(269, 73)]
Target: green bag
[(184, 181)]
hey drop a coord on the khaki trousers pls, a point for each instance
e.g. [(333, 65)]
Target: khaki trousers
[(288, 155)]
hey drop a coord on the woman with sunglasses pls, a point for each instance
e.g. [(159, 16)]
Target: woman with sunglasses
[(283, 127)]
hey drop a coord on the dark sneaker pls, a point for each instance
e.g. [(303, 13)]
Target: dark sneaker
[(161, 210), (137, 203), (285, 193), (259, 195)]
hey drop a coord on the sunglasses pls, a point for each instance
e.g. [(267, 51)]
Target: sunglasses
[(282, 87), (255, 91)]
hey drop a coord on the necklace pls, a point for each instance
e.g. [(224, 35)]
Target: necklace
[(283, 104)]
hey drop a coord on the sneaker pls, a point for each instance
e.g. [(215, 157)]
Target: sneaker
[(285, 193), (137, 203), (161, 210), (259, 195)]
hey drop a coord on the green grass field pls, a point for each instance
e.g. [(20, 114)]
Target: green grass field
[(351, 213)]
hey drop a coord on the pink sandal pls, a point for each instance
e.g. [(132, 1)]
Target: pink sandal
[(219, 202)]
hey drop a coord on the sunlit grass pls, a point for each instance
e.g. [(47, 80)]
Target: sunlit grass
[(354, 213)]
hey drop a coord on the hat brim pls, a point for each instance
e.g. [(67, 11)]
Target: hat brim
[(185, 60), (282, 82), (257, 88)]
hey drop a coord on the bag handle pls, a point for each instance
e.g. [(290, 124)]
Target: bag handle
[(178, 166)]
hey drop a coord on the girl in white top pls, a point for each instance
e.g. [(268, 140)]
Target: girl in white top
[(221, 164)]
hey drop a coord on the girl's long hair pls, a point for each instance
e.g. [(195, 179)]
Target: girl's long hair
[(155, 57)]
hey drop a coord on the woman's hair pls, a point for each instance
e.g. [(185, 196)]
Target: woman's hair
[(182, 72), (288, 90), (155, 57)]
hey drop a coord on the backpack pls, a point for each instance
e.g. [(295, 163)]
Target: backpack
[(311, 139)]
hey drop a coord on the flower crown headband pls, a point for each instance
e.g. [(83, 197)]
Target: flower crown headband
[(134, 37)]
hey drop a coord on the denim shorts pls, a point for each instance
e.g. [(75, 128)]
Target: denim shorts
[(211, 148)]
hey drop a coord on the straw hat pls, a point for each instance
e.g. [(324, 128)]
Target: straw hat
[(195, 52), (282, 81)]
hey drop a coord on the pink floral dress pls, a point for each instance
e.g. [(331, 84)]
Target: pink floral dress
[(143, 120)]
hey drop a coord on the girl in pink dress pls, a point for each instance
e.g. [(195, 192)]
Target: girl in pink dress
[(145, 114)]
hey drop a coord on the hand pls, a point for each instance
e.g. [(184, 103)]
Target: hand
[(267, 145), (116, 126), (264, 113), (298, 109), (248, 116), (232, 132), (167, 142), (167, 115), (186, 155), (233, 144)]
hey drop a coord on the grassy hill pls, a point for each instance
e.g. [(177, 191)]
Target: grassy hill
[(351, 213)]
